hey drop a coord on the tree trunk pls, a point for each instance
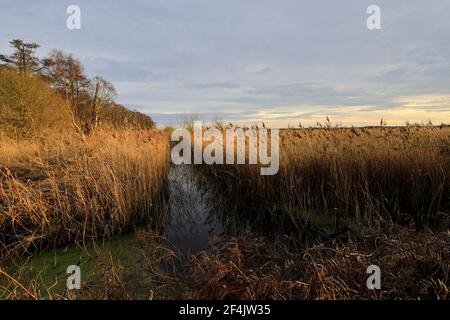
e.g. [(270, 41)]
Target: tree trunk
[(95, 107)]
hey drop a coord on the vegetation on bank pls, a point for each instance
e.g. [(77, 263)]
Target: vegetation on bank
[(74, 165), (30, 107), (351, 177), (65, 190), (54, 92), (413, 266), (343, 199)]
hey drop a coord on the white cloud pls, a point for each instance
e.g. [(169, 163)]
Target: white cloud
[(247, 59)]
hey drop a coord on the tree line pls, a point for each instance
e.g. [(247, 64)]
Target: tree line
[(90, 100)]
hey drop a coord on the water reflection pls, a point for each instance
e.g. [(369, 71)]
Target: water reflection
[(194, 213), (198, 211)]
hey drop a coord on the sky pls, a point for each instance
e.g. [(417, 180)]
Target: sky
[(280, 62)]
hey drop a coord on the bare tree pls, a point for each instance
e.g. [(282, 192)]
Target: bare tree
[(103, 93), (66, 74)]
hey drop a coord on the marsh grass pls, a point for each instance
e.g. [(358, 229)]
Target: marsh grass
[(355, 196), (354, 176), (61, 189)]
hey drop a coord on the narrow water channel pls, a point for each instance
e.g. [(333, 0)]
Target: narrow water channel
[(194, 216), (194, 211)]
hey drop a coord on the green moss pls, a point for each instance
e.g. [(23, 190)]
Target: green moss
[(48, 269), (330, 223)]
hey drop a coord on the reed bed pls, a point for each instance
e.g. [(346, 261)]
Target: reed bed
[(64, 190), (365, 176), (393, 182)]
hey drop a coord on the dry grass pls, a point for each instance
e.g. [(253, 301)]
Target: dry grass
[(365, 175), (413, 266), (61, 190), (376, 187), (393, 180), (248, 267)]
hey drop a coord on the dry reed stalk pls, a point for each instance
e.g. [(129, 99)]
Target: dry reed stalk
[(62, 190)]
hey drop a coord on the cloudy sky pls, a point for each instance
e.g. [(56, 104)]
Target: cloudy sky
[(245, 61)]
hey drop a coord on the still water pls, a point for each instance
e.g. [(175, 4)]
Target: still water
[(194, 211), (193, 218)]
